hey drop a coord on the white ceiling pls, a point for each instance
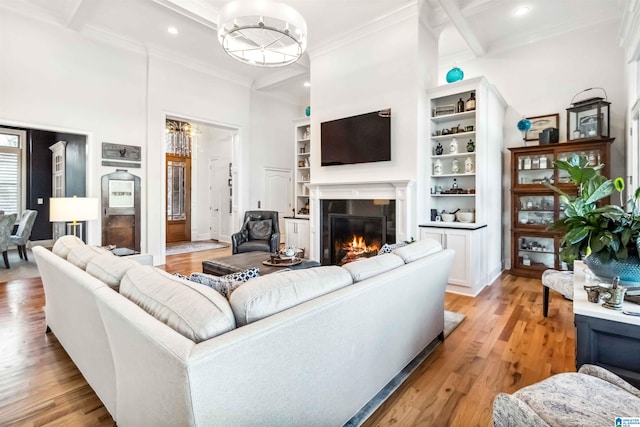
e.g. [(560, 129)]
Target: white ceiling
[(467, 28)]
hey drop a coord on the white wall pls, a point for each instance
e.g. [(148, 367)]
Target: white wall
[(390, 68), (375, 72), (54, 78), (272, 137), (542, 78)]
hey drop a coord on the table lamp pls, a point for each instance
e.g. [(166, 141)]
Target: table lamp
[(74, 209)]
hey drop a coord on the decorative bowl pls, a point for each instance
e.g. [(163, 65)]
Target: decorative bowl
[(628, 270), (464, 216), (448, 217)]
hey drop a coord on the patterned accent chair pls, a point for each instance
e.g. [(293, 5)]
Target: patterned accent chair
[(592, 396), (260, 232), (6, 226), (23, 233), (559, 281)]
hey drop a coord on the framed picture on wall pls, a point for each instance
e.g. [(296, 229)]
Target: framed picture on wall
[(539, 123)]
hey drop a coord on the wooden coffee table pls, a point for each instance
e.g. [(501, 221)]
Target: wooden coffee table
[(234, 263)]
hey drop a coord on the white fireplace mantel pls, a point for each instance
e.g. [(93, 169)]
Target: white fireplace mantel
[(401, 191)]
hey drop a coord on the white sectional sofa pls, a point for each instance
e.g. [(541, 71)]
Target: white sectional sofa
[(304, 347)]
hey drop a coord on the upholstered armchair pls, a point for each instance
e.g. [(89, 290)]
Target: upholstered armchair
[(6, 226), (23, 233), (592, 396), (260, 232)]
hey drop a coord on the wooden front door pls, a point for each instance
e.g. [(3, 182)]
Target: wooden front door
[(178, 169)]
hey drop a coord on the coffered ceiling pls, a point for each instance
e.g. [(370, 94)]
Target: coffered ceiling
[(467, 28)]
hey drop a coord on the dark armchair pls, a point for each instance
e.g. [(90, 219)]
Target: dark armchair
[(260, 232)]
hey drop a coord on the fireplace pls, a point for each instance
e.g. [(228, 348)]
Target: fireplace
[(353, 229), (353, 237)]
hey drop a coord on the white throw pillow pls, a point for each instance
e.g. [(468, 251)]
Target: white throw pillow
[(369, 267), (417, 250), (64, 244), (266, 295), (193, 310)]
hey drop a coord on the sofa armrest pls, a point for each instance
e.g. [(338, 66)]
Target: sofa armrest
[(509, 411), (237, 239), (608, 376)]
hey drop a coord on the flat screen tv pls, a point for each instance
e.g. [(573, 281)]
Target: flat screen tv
[(359, 139)]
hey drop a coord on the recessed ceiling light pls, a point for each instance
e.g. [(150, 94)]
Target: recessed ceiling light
[(522, 10), (172, 30), (307, 84)]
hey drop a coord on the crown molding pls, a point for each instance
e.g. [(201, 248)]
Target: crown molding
[(202, 67), (403, 13), (116, 40), (28, 10), (630, 31), (289, 72), (79, 16), (545, 33), (196, 10), (280, 97)]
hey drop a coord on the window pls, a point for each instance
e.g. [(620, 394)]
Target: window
[(11, 170)]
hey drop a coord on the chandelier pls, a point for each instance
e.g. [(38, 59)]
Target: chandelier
[(263, 33)]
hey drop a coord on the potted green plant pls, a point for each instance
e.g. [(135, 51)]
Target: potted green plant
[(606, 234)]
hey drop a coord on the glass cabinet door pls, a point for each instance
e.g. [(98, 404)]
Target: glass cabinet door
[(535, 252), (594, 156), (534, 168), (534, 210)]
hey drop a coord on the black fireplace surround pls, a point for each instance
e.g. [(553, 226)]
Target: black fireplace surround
[(374, 220)]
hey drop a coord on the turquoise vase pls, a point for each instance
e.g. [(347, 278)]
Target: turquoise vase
[(307, 111), (628, 270), (455, 74)]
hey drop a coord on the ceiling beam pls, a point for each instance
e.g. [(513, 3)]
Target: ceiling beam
[(195, 10), (81, 14), (463, 27)]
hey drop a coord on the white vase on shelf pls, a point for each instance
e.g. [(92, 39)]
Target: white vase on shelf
[(453, 147)]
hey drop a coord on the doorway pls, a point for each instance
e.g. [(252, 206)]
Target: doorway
[(178, 198), (199, 183)]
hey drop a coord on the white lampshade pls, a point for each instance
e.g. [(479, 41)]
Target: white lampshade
[(73, 209), (264, 33)]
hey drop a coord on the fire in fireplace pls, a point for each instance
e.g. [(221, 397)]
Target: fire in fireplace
[(355, 248), (355, 237)]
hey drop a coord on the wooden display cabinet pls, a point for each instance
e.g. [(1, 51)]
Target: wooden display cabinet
[(534, 207)]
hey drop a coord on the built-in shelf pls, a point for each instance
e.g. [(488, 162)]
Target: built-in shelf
[(450, 155), (453, 195), (454, 117), (453, 135), (453, 175)]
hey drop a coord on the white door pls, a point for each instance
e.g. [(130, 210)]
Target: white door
[(277, 194), (216, 175)]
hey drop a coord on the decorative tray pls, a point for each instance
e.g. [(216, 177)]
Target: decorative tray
[(277, 261)]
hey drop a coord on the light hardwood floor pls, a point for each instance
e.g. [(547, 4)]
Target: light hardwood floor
[(503, 344)]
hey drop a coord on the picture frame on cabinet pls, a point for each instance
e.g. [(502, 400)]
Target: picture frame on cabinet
[(539, 123)]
